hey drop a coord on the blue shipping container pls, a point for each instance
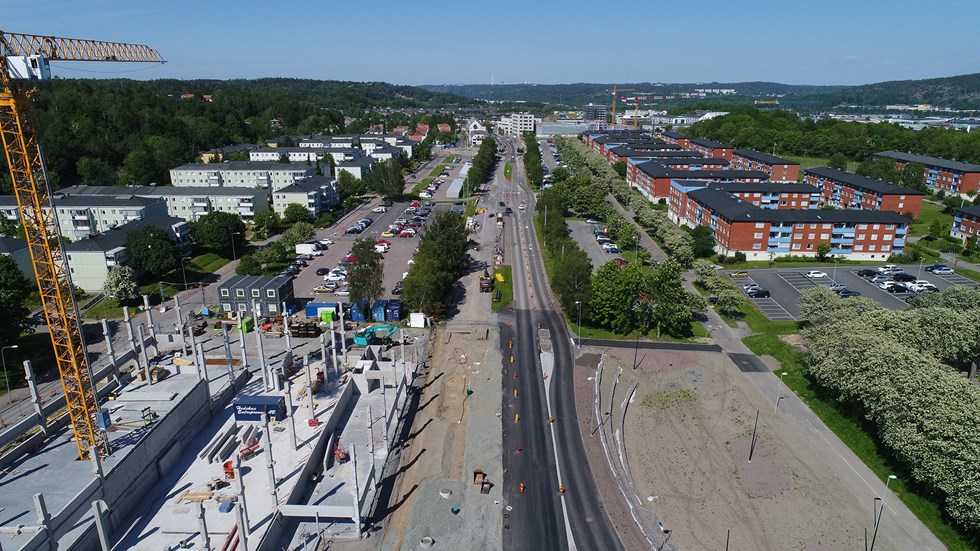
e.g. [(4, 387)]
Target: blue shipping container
[(378, 310), (359, 311), (393, 312), (313, 308), (251, 408)]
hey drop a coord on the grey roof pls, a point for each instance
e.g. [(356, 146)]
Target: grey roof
[(672, 152), (675, 135), (234, 148), (972, 211), (116, 237), (10, 245), (245, 165), (763, 157), (8, 201), (860, 182), (929, 161), (656, 169), (157, 191), (708, 143), (732, 208), (254, 282), (115, 200), (359, 161), (306, 185), (764, 187)]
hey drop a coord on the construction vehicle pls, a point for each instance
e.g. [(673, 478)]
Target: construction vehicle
[(24, 59), (374, 334), (486, 282)]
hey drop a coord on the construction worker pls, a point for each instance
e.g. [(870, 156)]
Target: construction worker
[(561, 489), (522, 487), (551, 418)]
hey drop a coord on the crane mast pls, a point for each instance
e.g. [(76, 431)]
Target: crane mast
[(23, 59)]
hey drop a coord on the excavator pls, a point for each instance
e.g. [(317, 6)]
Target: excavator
[(375, 334), (24, 60)]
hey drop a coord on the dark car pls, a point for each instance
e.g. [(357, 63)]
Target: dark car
[(934, 267), (903, 277), (502, 203), (322, 271), (867, 272), (758, 293), (895, 287), (510, 210), (847, 293)]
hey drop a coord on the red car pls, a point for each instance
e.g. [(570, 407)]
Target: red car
[(415, 224), (406, 234), (383, 242), (415, 204), (622, 263)]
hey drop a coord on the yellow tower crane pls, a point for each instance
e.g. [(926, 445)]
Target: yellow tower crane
[(23, 60), (615, 94)]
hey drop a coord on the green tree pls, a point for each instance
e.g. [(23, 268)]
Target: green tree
[(388, 179), (14, 290), (151, 250), (216, 230), (266, 223), (572, 279), (913, 176), (620, 168), (702, 241), (823, 250), (349, 185), (366, 273), (248, 265), (120, 284), (10, 229), (838, 161), (295, 212), (94, 171), (938, 229)]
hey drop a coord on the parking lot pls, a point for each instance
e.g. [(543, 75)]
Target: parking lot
[(582, 234), (395, 260), (786, 284)]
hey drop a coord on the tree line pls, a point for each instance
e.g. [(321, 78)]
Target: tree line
[(788, 134), (532, 160), (440, 261), (898, 370), (482, 167)]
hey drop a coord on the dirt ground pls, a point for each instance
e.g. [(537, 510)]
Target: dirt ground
[(688, 438)]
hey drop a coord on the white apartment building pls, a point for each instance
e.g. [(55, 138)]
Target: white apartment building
[(516, 124), (82, 217), (188, 203), (318, 194), (261, 174)]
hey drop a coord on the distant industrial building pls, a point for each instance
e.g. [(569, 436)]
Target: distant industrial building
[(593, 112)]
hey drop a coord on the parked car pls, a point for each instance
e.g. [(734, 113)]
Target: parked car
[(932, 268), (882, 269), (944, 271), (893, 287), (323, 289), (379, 208), (847, 293), (739, 273), (880, 279), (406, 234), (891, 271), (867, 272), (749, 286), (387, 233), (622, 263), (613, 250), (837, 286), (758, 293), (925, 287), (903, 277), (920, 285), (815, 274), (591, 221)]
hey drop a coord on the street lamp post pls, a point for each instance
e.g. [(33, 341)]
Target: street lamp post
[(234, 256), (884, 495), (779, 392), (10, 399), (835, 271), (182, 271), (579, 304)]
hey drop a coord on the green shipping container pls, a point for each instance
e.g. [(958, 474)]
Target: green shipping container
[(326, 316), (247, 325)]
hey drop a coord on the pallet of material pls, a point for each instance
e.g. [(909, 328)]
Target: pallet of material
[(188, 496)]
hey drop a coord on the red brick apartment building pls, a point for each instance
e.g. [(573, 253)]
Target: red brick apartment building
[(778, 169), (939, 174), (653, 178), (596, 139), (966, 223), (765, 233), (709, 148), (676, 138), (846, 190), (671, 151)]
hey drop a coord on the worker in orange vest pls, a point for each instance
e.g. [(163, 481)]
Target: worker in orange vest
[(561, 490), (522, 487)]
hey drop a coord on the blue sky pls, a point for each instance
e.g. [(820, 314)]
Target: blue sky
[(465, 41)]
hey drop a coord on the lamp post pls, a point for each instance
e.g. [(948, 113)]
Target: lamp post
[(183, 272), (835, 271), (579, 304), (10, 399), (234, 256), (656, 509), (887, 482), (779, 391)]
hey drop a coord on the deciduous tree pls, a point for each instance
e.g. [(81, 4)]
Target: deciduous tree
[(151, 250)]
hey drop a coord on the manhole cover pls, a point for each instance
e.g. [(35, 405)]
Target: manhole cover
[(674, 387)]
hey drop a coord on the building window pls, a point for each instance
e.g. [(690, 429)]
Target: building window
[(871, 247), (884, 248), (862, 226), (824, 236), (757, 236), (224, 293), (271, 293), (226, 306), (876, 227), (797, 236), (273, 308), (858, 247), (809, 246), (811, 236), (240, 293), (796, 246), (874, 237), (757, 245), (256, 293), (812, 226)]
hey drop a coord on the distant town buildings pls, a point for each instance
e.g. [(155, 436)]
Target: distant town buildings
[(516, 124)]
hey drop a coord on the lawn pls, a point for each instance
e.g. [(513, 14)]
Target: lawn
[(930, 213), (506, 288), (857, 436), (508, 171), (810, 162), (421, 185)]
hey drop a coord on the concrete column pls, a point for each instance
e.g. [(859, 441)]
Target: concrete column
[(266, 376), (149, 314), (384, 408), (285, 327), (35, 396), (132, 335), (269, 462), (289, 411), (401, 346), (343, 334), (333, 352), (323, 348), (190, 329), (309, 385), (108, 342), (203, 523), (146, 360), (242, 526), (357, 492), (241, 338), (203, 365), (243, 522), (180, 325), (44, 519), (228, 359), (370, 424), (93, 456), (101, 524)]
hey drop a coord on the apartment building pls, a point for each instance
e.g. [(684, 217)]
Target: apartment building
[(89, 260), (305, 154), (778, 169), (846, 190), (516, 124), (356, 167), (218, 154), (261, 174), (676, 138), (626, 152), (766, 233), (653, 178), (16, 249), (329, 142), (939, 174), (709, 148), (318, 194), (187, 203), (80, 217), (268, 293), (593, 112), (966, 223)]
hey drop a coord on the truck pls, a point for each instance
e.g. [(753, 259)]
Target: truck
[(374, 334), (311, 249), (486, 282)]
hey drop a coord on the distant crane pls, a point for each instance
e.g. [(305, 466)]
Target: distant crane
[(615, 96), (23, 60)]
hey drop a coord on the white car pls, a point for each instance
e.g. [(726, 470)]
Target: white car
[(887, 268), (923, 287), (379, 209), (815, 274), (334, 277), (944, 271)]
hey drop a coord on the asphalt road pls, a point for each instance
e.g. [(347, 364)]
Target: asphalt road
[(578, 511)]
